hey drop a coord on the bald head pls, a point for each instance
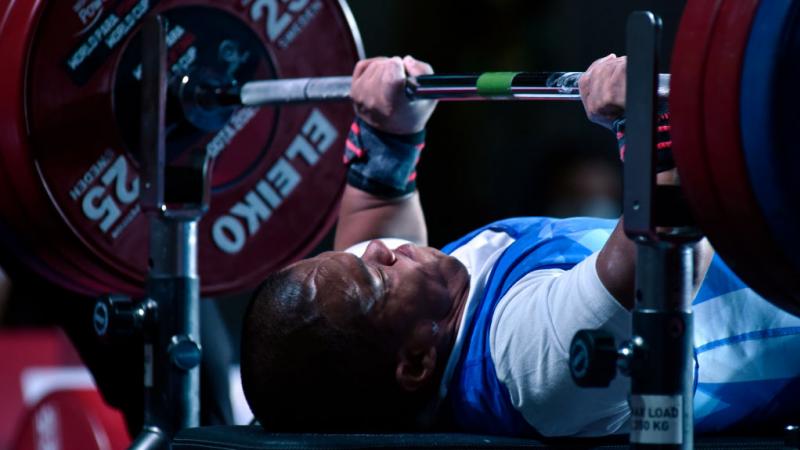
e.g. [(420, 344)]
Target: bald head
[(342, 343), (310, 362)]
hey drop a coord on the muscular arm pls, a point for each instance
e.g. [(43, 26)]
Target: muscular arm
[(616, 263), (363, 216), (379, 99), (616, 266), (603, 94)]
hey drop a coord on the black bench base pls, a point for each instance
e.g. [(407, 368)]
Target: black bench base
[(253, 438)]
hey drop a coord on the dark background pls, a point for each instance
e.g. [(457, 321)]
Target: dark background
[(490, 161)]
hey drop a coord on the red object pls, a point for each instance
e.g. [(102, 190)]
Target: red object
[(694, 100), (68, 136), (17, 20), (704, 101), (686, 90), (24, 353), (72, 419), (755, 255)]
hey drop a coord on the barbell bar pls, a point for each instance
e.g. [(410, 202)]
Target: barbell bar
[(530, 86)]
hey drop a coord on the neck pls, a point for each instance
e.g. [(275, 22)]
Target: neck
[(450, 325), (459, 303), (429, 415)]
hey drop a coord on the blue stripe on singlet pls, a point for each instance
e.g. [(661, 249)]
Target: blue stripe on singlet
[(746, 404), (749, 336), (719, 280)]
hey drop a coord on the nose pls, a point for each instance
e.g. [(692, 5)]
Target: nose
[(377, 252)]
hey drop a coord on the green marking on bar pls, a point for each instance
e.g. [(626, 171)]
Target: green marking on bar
[(495, 83)]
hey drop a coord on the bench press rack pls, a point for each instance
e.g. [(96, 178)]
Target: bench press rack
[(658, 357), (174, 198)]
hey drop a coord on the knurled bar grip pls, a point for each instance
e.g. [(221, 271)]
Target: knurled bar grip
[(295, 90), (557, 86)]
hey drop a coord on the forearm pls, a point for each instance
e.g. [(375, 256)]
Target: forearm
[(363, 216), (382, 151)]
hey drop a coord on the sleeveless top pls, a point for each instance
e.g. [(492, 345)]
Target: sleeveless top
[(744, 346)]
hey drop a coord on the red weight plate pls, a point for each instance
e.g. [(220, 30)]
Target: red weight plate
[(277, 177), (689, 61), (688, 126), (749, 248), (34, 247), (688, 65)]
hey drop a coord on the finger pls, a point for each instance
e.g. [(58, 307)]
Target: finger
[(395, 68), (373, 87), (619, 85), (593, 91), (609, 81), (360, 67), (603, 88), (600, 61), (363, 64), (588, 78), (583, 85), (394, 73), (415, 67), (376, 71), (367, 75), (587, 84)]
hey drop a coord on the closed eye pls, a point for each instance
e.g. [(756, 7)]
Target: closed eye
[(382, 276), (376, 276)]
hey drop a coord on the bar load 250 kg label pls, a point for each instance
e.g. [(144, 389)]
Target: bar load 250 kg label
[(656, 419)]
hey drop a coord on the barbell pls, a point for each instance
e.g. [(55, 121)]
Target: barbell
[(70, 110), (532, 86), (208, 101)]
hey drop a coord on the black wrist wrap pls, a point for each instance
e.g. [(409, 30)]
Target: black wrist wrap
[(664, 160), (381, 163)]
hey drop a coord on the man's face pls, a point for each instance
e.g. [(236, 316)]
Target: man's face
[(396, 290)]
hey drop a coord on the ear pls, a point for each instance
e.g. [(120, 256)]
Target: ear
[(415, 368)]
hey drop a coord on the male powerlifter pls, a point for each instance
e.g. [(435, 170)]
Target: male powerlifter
[(388, 334)]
